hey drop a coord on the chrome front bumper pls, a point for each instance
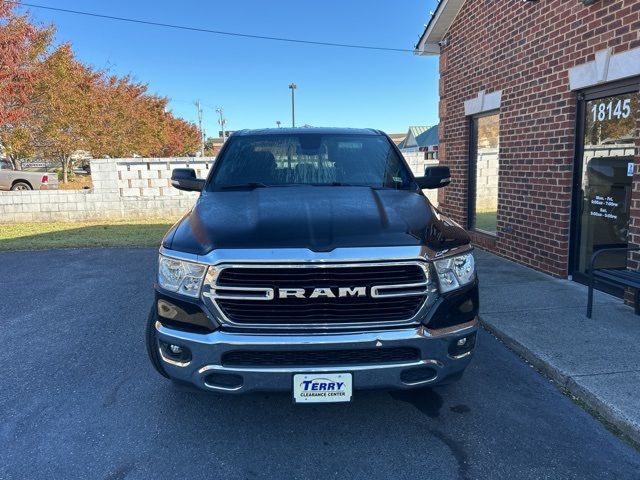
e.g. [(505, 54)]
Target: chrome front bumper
[(207, 351)]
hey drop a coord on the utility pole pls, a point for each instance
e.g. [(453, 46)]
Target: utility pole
[(293, 87), (222, 121), (278, 122), (199, 108)]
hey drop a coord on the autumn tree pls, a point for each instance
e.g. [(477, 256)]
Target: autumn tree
[(53, 105), (181, 138), (18, 140), (67, 107), (133, 122), (148, 124), (129, 119), (22, 47)]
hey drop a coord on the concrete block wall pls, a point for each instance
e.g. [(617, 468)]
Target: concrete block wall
[(122, 188), (591, 151), (150, 177), (487, 180), (57, 206)]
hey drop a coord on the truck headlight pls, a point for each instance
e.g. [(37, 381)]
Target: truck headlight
[(180, 276), (455, 272)]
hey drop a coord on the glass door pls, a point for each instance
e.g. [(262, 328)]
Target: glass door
[(605, 157)]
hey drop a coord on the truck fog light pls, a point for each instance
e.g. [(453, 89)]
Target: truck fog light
[(461, 346), (175, 354)]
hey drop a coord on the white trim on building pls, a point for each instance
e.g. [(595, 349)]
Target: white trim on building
[(484, 102), (607, 67)]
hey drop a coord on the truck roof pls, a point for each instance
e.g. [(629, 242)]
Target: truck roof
[(310, 130)]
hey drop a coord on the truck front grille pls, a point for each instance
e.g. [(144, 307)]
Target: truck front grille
[(332, 295), (317, 276), (317, 358)]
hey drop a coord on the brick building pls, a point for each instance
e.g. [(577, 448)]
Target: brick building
[(539, 123)]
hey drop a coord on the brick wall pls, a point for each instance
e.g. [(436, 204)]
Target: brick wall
[(122, 188), (525, 50)]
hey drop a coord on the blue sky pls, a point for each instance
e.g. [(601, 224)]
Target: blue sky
[(249, 78)]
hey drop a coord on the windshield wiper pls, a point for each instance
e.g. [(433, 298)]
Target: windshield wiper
[(243, 185)]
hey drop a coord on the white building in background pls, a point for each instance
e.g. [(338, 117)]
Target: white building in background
[(420, 150), (421, 139), (420, 147)]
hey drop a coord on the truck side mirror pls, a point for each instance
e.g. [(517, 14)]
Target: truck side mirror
[(434, 177), (185, 179)]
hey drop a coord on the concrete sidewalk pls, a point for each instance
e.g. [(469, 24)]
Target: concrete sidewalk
[(543, 319)]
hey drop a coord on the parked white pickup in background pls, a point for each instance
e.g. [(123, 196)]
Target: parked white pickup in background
[(11, 179)]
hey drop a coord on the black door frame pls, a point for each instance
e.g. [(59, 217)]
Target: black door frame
[(583, 96)]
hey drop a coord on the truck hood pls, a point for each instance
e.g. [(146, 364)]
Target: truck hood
[(317, 218)]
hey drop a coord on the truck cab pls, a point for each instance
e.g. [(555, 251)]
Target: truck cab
[(312, 262), (19, 180)]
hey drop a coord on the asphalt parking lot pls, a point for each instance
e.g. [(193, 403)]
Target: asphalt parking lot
[(79, 399)]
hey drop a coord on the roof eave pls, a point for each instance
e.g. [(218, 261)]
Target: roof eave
[(425, 49), (438, 26)]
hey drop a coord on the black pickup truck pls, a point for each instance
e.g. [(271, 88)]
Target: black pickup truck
[(313, 263)]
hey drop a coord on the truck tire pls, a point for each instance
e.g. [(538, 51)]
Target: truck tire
[(21, 186), (152, 348)]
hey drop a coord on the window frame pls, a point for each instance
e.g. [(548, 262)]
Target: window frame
[(472, 170)]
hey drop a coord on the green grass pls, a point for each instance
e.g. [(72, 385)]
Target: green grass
[(106, 233), (486, 221)]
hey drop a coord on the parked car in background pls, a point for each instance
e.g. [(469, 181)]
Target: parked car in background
[(12, 179)]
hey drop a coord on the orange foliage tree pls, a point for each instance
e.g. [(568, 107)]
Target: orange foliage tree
[(66, 108), (181, 138), (22, 47), (128, 119), (53, 105)]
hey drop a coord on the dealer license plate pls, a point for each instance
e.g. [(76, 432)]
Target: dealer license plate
[(322, 387)]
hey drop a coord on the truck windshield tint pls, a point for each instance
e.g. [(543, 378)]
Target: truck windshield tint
[(310, 159)]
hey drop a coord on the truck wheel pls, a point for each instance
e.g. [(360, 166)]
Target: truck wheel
[(21, 186), (152, 345)]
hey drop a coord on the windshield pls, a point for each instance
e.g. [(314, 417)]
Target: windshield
[(310, 159)]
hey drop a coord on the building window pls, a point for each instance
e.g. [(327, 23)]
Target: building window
[(483, 172)]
